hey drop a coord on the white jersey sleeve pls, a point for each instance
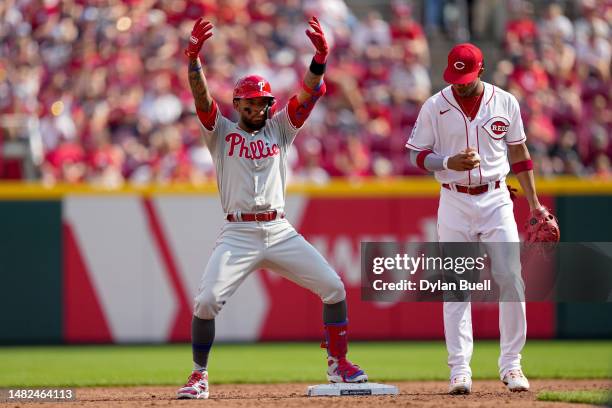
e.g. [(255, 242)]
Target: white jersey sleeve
[(516, 131), (281, 124), (214, 127), (422, 136)]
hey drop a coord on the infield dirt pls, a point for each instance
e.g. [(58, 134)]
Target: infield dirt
[(413, 394)]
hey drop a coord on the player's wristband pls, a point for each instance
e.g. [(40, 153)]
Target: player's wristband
[(317, 68), (420, 160), (522, 166), (445, 162)]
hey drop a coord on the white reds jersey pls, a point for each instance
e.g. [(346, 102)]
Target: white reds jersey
[(251, 167), (443, 128)]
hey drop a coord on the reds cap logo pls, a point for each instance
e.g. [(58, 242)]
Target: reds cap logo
[(497, 127), (459, 65)]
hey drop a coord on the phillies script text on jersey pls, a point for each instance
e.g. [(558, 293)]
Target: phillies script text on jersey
[(251, 167), (255, 150)]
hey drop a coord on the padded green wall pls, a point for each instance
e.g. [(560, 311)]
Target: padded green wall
[(30, 272), (584, 219)]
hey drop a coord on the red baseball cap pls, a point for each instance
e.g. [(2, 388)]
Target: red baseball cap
[(464, 63)]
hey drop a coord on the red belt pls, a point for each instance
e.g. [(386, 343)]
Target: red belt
[(260, 216), (471, 190)]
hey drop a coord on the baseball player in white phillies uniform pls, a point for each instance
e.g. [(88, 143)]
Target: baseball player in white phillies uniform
[(470, 135), (251, 162)]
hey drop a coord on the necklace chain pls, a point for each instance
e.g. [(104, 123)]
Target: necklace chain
[(469, 115)]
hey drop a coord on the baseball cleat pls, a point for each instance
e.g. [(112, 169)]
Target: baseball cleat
[(460, 384), (196, 387), (516, 381), (343, 371)]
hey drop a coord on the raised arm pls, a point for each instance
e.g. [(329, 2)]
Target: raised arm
[(197, 81), (312, 87), (313, 84)]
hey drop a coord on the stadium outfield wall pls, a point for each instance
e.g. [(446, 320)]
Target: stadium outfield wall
[(86, 265)]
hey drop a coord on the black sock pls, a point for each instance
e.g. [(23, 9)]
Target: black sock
[(335, 313), (202, 337)]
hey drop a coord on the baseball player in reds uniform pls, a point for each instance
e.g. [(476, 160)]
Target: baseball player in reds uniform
[(470, 135), (251, 164)]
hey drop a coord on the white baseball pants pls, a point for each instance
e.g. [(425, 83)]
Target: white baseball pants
[(487, 217), (243, 247)]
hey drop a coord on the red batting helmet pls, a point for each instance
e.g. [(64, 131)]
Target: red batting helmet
[(252, 86)]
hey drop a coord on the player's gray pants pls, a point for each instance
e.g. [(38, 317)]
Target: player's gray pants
[(484, 218), (243, 247)]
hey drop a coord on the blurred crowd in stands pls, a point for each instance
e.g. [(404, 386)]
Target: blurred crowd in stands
[(105, 81)]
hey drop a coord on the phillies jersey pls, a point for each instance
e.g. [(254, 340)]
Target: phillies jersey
[(443, 128), (251, 167)]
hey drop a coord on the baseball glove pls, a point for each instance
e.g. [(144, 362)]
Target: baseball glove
[(542, 226)]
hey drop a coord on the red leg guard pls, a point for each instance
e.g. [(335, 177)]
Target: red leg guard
[(339, 369), (336, 340)]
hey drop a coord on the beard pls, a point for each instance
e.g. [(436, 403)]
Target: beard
[(468, 91), (254, 124)]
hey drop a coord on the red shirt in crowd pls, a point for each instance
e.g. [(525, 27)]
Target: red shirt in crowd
[(410, 30), (67, 152), (530, 79), (524, 30)]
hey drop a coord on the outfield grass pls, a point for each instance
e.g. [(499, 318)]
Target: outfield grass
[(599, 397), (284, 362)]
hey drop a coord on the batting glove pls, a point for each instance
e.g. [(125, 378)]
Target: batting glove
[(199, 34), (318, 40)]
